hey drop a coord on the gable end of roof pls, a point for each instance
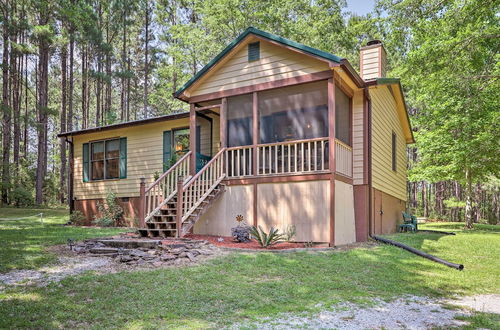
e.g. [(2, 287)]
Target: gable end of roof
[(262, 34)]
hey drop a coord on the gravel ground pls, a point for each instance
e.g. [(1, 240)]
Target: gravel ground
[(403, 313), (71, 264), (66, 266)]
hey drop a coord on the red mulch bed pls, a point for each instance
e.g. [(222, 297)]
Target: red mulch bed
[(230, 243)]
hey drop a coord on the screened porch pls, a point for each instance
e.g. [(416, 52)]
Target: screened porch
[(291, 133)]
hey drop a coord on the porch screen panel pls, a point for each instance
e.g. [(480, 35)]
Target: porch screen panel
[(294, 113), (342, 116), (239, 120)]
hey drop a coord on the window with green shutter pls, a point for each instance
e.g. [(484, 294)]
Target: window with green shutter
[(105, 160), (85, 162), (123, 158)]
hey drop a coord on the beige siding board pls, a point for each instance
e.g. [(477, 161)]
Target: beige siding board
[(221, 216), (144, 158), (303, 204), (276, 63), (345, 228), (385, 120), (357, 135)]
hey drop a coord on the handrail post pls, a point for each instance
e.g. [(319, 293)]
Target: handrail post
[(142, 202), (178, 218)]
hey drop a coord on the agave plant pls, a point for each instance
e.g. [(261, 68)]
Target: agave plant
[(266, 239)]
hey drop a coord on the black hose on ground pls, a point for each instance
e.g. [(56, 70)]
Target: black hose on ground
[(418, 252), (436, 231)]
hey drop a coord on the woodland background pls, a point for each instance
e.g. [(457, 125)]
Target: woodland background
[(73, 64)]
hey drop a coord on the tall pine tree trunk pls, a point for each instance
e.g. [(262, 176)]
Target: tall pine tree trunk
[(146, 61), (469, 221), (15, 81), (5, 107), (62, 143), (43, 80)]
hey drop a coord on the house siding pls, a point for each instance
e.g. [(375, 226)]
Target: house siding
[(357, 137), (385, 121), (144, 158), (275, 63)]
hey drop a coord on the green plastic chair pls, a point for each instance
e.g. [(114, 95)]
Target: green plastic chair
[(409, 223)]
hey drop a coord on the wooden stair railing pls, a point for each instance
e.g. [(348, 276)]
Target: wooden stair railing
[(191, 195), (165, 188)]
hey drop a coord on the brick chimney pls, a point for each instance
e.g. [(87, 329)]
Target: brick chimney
[(372, 60)]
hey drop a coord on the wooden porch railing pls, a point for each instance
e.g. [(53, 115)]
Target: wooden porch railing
[(343, 158), (292, 157), (163, 189), (194, 192), (239, 161)]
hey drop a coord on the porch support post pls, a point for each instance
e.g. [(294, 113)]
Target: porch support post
[(331, 154), (192, 139), (142, 203), (255, 131), (223, 123), (180, 202), (255, 136)]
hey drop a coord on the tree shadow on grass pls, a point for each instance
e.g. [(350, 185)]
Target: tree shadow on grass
[(227, 289)]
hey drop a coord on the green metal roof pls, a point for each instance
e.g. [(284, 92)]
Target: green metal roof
[(267, 35), (388, 81)]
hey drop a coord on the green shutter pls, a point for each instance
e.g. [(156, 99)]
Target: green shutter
[(167, 149), (198, 139), (123, 158), (86, 162)]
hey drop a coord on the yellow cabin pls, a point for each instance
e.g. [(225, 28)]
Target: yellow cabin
[(279, 132)]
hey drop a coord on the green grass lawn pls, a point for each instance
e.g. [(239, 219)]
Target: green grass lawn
[(24, 241), (241, 286)]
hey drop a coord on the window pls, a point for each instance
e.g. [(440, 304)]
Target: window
[(253, 51), (394, 165), (104, 160)]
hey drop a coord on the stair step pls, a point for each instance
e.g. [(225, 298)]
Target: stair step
[(164, 216), (164, 222)]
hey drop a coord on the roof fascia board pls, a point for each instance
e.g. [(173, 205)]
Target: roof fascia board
[(126, 124), (395, 83)]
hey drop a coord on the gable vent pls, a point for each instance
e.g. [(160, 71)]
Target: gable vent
[(254, 51)]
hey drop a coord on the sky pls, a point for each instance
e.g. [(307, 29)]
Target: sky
[(360, 7)]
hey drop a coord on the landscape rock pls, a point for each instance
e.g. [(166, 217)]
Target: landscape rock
[(132, 252)]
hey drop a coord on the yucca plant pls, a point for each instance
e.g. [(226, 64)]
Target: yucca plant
[(266, 239)]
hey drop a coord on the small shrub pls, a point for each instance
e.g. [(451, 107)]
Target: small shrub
[(111, 212), (266, 239), (290, 232), (77, 218), (21, 197)]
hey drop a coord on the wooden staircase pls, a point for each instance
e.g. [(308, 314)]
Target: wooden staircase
[(164, 224), (176, 201)]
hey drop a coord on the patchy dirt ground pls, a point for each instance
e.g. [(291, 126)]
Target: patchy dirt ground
[(486, 303), (70, 263), (403, 313)]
